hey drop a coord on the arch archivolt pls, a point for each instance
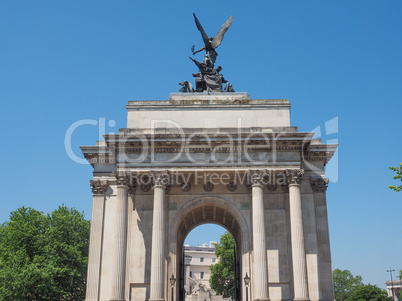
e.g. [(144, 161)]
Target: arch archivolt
[(203, 210)]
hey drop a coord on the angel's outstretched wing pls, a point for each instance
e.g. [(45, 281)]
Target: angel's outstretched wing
[(217, 40), (203, 34)]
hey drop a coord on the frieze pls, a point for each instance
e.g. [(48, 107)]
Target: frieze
[(272, 186), (185, 187), (208, 186), (232, 186), (146, 187)]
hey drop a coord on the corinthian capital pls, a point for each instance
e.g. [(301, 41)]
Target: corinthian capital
[(122, 178), (98, 187), (160, 177), (255, 177), (294, 176), (125, 179), (319, 184)]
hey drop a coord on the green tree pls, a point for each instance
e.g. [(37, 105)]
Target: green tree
[(398, 176), (44, 257), (345, 283), (368, 292), (222, 278)]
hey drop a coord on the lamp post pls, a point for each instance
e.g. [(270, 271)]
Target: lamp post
[(246, 283), (392, 283), (172, 283)]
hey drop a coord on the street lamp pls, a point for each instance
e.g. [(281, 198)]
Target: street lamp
[(392, 283), (172, 283), (246, 283)]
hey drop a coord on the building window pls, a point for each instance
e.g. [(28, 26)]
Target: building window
[(191, 274), (202, 259), (202, 275), (213, 260)]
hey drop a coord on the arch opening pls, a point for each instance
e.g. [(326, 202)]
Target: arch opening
[(201, 214)]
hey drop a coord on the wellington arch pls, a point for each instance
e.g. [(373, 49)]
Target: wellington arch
[(207, 157)]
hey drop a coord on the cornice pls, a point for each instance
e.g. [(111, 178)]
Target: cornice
[(127, 142)]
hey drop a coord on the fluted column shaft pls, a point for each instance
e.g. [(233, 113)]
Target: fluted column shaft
[(297, 236), (120, 240), (260, 264), (259, 245), (158, 238), (95, 241)]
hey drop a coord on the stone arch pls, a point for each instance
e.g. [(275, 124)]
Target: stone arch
[(203, 210)]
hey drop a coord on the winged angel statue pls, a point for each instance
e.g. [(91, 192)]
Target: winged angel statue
[(208, 78), (210, 44)]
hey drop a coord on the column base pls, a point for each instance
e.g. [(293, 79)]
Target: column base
[(301, 299), (157, 299), (262, 299)]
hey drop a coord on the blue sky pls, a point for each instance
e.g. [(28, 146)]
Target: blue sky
[(64, 61)]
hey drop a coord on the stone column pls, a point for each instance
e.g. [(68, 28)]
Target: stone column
[(260, 264), (99, 189), (187, 275), (161, 182), (326, 287), (293, 178), (118, 274)]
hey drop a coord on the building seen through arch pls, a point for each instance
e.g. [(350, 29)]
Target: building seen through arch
[(197, 260)]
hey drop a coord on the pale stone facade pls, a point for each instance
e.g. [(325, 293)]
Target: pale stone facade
[(197, 261), (209, 158), (394, 289)]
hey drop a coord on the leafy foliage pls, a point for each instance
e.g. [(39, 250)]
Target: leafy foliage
[(44, 257), (222, 278), (398, 176), (345, 283), (368, 292)]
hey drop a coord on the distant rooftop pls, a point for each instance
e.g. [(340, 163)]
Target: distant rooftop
[(203, 248)]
